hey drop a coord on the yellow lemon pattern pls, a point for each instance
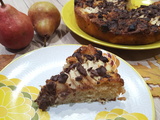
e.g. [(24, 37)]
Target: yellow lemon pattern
[(119, 114), (19, 106)]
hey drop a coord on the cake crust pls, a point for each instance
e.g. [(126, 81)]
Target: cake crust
[(110, 21)]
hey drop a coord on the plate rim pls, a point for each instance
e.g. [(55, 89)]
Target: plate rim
[(145, 85), (69, 4)]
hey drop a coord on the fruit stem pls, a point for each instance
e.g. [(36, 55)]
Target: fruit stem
[(45, 40), (46, 37), (2, 3)]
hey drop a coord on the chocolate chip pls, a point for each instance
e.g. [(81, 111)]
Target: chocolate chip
[(100, 16), (79, 78), (67, 70), (89, 69), (91, 15), (51, 87), (78, 56), (43, 102), (76, 1), (101, 71), (94, 73), (98, 82), (54, 78), (62, 78), (81, 70), (106, 76), (104, 28), (151, 15), (143, 6), (98, 54), (89, 57), (109, 3), (72, 66), (104, 59), (131, 28), (89, 3)]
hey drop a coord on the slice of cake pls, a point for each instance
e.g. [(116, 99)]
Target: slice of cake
[(88, 75)]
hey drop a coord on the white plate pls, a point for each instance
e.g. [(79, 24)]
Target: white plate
[(35, 67)]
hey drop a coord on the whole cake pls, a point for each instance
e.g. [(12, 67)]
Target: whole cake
[(88, 75), (112, 21)]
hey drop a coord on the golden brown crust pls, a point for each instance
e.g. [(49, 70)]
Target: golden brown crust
[(93, 27)]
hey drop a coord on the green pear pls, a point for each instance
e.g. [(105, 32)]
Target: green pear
[(16, 29), (45, 18)]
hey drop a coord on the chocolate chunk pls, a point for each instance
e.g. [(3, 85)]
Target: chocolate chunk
[(67, 70), (106, 76), (43, 102), (105, 28), (98, 82), (104, 59), (91, 15), (100, 16), (54, 78), (132, 28), (147, 19), (109, 3), (151, 15), (94, 73), (104, 4), (78, 56), (81, 70), (98, 54), (89, 69), (62, 78), (89, 57), (89, 0), (143, 6), (72, 66), (76, 1), (89, 3), (79, 78), (101, 71), (51, 87)]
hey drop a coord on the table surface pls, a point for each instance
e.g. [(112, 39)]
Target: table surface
[(64, 36)]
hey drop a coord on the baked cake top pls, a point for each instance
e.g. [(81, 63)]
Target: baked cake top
[(113, 16), (86, 62)]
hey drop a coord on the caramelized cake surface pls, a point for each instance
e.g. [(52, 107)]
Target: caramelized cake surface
[(111, 21)]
